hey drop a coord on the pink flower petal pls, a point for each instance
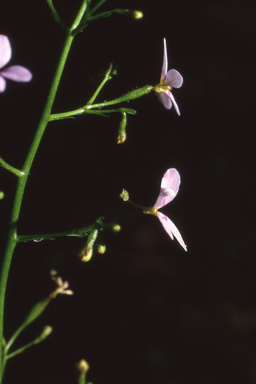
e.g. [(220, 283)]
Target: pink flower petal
[(173, 78), (2, 84), (165, 63), (17, 73), (170, 95), (5, 50), (164, 100), (171, 229), (169, 187)]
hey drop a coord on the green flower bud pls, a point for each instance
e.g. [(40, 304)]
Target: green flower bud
[(82, 366), (101, 249), (85, 254), (1, 195), (46, 332), (133, 14), (124, 195), (137, 14), (35, 312), (116, 228), (121, 137)]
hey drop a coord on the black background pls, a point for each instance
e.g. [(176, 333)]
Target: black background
[(145, 311)]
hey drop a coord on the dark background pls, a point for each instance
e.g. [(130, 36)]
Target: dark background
[(145, 311)]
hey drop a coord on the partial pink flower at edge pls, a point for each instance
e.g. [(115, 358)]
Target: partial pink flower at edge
[(14, 72), (169, 189), (169, 79)]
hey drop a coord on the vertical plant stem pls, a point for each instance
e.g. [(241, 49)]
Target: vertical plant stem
[(12, 236), (82, 379)]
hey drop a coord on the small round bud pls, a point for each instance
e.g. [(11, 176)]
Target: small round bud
[(85, 254), (116, 228), (1, 195), (101, 249), (137, 14), (46, 332), (82, 366)]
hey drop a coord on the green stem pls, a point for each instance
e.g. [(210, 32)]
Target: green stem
[(89, 107), (7, 166), (79, 16), (97, 6), (106, 78), (82, 111), (55, 14), (81, 232), (147, 210), (46, 332), (109, 13), (64, 115), (82, 379), (126, 97), (20, 350), (12, 236)]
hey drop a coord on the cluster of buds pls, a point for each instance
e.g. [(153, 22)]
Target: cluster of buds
[(85, 254)]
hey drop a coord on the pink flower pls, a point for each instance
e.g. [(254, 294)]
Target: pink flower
[(14, 72), (169, 189), (169, 79)]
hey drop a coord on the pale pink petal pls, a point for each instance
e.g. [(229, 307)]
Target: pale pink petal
[(171, 229), (17, 73), (164, 100), (173, 78), (165, 63), (171, 179), (169, 187), (170, 95), (5, 50), (2, 84)]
